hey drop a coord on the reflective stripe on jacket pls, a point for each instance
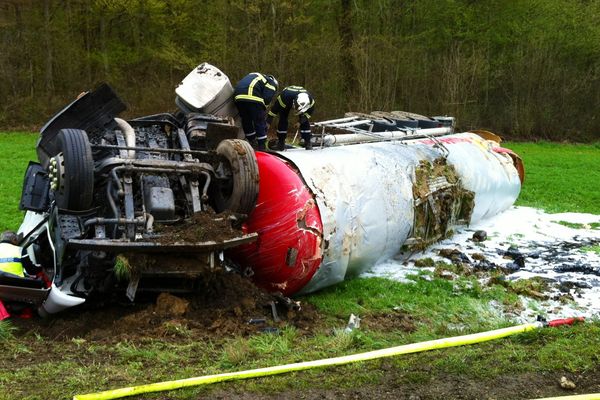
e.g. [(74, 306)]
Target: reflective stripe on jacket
[(254, 87), (10, 259)]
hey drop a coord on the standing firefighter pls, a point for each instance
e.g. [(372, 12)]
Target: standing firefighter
[(252, 95), (302, 102), (10, 254)]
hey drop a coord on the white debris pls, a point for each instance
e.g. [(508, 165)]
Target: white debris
[(556, 247), (566, 383), (353, 323)]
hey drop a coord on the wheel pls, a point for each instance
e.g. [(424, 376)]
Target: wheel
[(72, 171), (240, 192)]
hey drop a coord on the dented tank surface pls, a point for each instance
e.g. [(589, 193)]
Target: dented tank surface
[(325, 215), (289, 226)]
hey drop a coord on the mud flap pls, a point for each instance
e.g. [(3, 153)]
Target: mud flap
[(132, 287)]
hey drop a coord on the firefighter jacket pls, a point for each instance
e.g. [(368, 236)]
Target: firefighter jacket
[(255, 87), (285, 102), (10, 259)]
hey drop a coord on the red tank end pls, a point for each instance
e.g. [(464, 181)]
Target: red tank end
[(287, 220)]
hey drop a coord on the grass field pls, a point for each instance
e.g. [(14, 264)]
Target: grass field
[(560, 178), (17, 150)]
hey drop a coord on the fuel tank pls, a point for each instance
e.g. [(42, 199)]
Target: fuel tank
[(328, 214)]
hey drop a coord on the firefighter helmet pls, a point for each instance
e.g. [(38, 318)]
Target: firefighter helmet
[(301, 103)]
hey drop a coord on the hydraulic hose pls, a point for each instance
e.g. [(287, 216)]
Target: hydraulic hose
[(280, 369)]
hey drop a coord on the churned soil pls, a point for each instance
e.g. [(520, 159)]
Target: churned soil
[(201, 227), (225, 305)]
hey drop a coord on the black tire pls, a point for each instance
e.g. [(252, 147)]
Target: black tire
[(75, 188), (240, 193)]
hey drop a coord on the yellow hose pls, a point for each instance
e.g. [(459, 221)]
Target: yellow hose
[(280, 369), (591, 396)]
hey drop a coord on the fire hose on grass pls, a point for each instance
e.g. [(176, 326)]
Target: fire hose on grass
[(590, 396), (371, 355)]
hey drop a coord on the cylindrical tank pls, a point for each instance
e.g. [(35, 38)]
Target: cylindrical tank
[(331, 213)]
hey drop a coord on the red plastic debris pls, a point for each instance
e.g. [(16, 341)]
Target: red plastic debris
[(565, 321), (3, 313)]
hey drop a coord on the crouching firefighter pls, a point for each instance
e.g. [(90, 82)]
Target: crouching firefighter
[(252, 95), (10, 255), (297, 98)]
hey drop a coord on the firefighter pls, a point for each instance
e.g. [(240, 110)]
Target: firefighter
[(10, 255), (297, 98), (252, 95)]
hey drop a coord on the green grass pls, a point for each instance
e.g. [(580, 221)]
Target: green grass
[(88, 367), (18, 148), (560, 177), (595, 249), (576, 225), (434, 304), (6, 330)]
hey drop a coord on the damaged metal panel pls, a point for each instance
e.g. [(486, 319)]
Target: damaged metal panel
[(440, 201), (286, 218), (489, 173)]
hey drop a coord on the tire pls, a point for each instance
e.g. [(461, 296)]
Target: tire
[(75, 172), (240, 193)]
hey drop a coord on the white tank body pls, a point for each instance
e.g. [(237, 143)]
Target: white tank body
[(364, 193)]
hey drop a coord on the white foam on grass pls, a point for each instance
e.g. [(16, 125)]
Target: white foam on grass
[(561, 254)]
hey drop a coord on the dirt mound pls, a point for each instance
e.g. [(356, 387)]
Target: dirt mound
[(227, 305)]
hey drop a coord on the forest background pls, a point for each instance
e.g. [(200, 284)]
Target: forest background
[(526, 69)]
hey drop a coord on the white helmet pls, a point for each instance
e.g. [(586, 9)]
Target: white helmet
[(302, 103)]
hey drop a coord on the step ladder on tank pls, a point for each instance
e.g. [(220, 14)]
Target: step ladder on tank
[(379, 126)]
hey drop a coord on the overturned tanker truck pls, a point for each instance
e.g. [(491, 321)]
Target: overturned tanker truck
[(117, 207)]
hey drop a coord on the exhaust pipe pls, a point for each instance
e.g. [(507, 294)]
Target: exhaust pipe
[(129, 134)]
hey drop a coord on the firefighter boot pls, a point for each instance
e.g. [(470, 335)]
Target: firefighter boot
[(307, 142), (262, 144), (281, 141)]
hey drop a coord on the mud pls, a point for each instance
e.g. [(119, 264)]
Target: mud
[(226, 305), (193, 264), (395, 321), (201, 227)]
